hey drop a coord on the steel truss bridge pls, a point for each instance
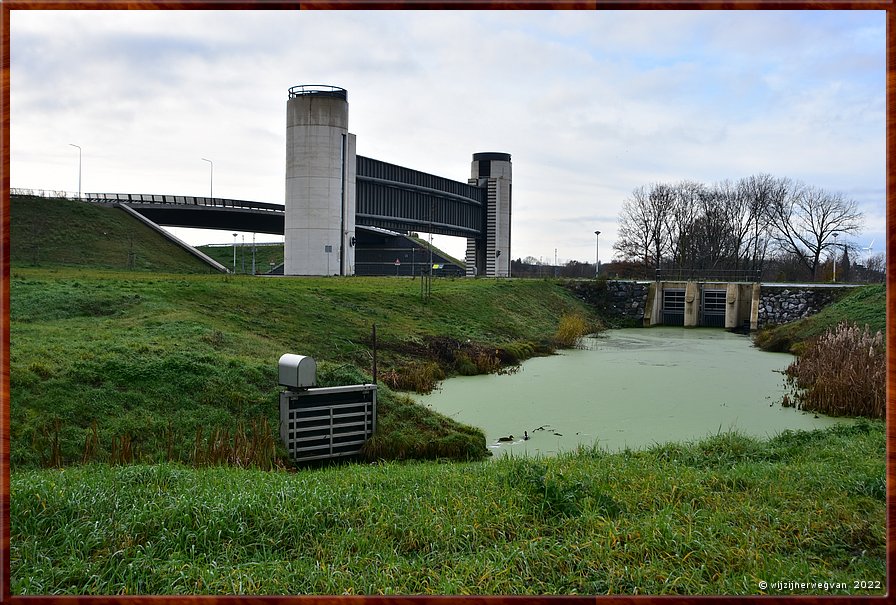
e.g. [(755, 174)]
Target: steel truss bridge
[(387, 196)]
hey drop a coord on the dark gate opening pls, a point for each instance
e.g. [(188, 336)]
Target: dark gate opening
[(713, 308), (673, 307)]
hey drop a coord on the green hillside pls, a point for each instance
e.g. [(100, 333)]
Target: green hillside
[(266, 256), (100, 356), (67, 233)]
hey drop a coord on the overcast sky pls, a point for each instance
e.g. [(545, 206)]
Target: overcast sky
[(589, 104)]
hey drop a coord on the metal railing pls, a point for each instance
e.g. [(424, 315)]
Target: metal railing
[(48, 193), (182, 200), (152, 198), (323, 90), (720, 275)]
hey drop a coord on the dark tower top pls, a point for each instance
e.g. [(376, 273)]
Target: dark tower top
[(322, 90), (491, 155)]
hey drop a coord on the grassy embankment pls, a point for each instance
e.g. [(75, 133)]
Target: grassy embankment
[(67, 233), (266, 256), (716, 517)]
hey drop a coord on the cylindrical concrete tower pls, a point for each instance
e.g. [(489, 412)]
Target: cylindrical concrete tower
[(490, 256), (319, 225)]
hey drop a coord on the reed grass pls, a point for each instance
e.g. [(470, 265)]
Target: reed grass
[(841, 373), (572, 327)]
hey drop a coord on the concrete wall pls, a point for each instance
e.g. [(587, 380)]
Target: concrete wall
[(740, 299), (320, 187)]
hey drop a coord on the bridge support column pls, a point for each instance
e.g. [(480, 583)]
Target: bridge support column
[(319, 225), (691, 304), (754, 307), (490, 255)]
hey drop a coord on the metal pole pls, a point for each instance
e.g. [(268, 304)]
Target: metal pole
[(597, 254), (835, 255), (79, 168), (253, 254), (234, 252), (211, 177)]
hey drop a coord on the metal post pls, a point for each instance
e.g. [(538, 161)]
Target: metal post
[(373, 338), (79, 168), (234, 252), (597, 254), (211, 177), (835, 256), (253, 254)]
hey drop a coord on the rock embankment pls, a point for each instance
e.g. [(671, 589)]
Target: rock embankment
[(614, 299), (780, 306)]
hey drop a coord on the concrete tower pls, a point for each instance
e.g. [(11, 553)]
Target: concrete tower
[(490, 256), (319, 225)]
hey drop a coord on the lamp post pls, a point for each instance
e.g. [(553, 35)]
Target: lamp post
[(597, 253), (79, 168), (835, 255), (234, 252), (211, 176)]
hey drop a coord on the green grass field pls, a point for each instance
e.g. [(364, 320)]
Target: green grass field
[(716, 517)]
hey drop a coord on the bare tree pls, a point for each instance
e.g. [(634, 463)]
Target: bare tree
[(805, 220), (760, 192), (681, 224), (642, 233)]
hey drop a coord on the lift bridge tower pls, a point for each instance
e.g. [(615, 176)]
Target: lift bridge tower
[(321, 164), (324, 179)]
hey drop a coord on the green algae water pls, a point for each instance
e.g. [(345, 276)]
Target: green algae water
[(629, 388)]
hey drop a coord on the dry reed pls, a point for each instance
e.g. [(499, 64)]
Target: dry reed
[(842, 373)]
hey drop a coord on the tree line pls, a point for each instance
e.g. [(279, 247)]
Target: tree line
[(692, 229)]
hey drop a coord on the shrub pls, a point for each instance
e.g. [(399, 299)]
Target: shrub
[(420, 377), (841, 373), (464, 365), (572, 327)]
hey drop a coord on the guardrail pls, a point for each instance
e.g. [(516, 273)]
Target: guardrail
[(182, 200), (152, 198), (49, 193), (721, 275), (324, 90)]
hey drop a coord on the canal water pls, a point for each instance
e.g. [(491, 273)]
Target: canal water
[(629, 388)]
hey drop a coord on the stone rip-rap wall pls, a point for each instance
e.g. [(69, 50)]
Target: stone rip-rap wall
[(622, 300), (781, 305)]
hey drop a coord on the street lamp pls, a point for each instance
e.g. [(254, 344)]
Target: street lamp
[(79, 168), (211, 176), (835, 255), (234, 252), (597, 253)]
